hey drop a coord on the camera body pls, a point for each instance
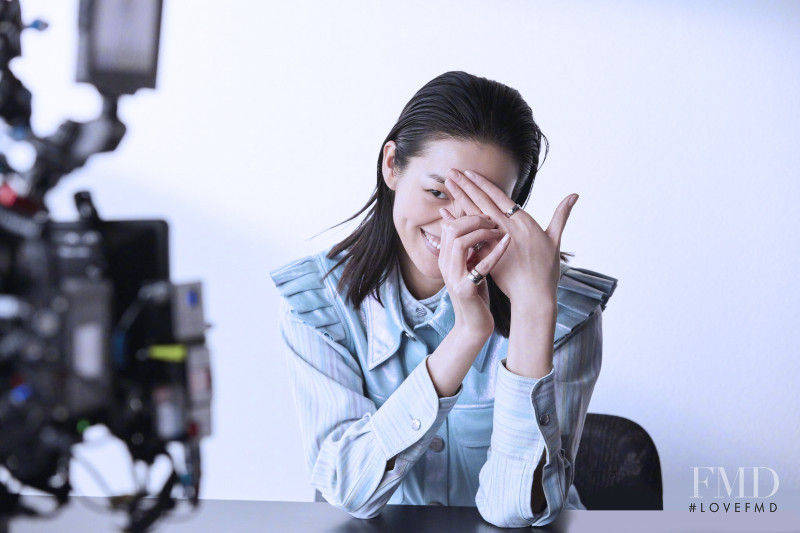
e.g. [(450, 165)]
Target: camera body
[(92, 331)]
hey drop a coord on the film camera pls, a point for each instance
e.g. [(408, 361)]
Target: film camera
[(92, 330)]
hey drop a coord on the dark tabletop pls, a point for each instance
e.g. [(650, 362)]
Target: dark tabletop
[(82, 515)]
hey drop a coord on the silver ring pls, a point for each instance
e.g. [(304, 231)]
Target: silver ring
[(475, 276), (513, 210), (479, 246)]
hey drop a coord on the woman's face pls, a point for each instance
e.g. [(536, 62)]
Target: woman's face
[(420, 192)]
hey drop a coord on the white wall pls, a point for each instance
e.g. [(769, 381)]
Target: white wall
[(676, 122)]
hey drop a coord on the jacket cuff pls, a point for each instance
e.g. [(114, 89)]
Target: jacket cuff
[(412, 413), (525, 420)]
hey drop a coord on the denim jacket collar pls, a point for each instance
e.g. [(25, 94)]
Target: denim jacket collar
[(386, 325)]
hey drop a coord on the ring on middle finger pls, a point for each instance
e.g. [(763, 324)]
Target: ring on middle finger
[(475, 276), (479, 246)]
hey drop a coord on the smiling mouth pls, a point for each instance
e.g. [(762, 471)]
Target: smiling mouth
[(434, 241)]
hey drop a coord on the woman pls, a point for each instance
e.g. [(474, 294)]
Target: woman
[(442, 353)]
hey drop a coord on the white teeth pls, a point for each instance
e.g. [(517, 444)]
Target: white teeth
[(435, 244)]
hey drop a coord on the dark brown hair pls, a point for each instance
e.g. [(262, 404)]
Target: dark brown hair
[(454, 105)]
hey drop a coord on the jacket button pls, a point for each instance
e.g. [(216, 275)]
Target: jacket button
[(416, 424), (437, 444), (544, 419)]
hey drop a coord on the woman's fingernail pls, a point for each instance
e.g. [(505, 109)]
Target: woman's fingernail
[(506, 238), (573, 200), (469, 174)]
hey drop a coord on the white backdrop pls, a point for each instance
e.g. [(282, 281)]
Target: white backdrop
[(677, 123)]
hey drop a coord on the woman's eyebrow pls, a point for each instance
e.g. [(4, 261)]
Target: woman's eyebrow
[(436, 177)]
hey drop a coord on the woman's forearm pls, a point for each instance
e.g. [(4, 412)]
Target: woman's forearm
[(530, 343), (530, 354), (449, 363)]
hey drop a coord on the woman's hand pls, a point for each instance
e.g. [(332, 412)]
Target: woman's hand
[(457, 258), (474, 324), (530, 269)]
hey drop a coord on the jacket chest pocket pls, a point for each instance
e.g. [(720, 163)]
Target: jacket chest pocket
[(471, 430)]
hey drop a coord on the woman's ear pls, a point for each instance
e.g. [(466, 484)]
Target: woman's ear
[(388, 166)]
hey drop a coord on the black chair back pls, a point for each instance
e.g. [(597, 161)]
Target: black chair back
[(617, 466)]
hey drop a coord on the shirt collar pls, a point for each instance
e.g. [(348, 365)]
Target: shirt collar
[(386, 325)]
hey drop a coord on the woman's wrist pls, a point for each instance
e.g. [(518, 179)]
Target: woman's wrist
[(535, 308), (470, 337), (536, 300)]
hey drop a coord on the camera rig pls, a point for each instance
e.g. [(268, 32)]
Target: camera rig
[(92, 330)]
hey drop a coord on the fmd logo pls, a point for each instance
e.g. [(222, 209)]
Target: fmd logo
[(751, 482)]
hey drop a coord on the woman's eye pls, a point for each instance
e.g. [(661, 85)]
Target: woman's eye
[(437, 194)]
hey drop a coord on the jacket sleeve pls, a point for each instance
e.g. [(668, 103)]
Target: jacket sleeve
[(347, 441), (545, 416)]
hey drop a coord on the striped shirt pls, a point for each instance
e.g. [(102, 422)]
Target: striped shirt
[(364, 396)]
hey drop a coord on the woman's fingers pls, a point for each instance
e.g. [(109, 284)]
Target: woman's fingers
[(461, 249), (459, 195), (559, 221), (490, 261), (472, 198), (447, 215), (457, 227), (451, 258), (503, 202), (462, 245)]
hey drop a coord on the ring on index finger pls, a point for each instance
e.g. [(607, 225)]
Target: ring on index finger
[(513, 210)]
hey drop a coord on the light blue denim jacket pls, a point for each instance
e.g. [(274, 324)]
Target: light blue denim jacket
[(364, 396)]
